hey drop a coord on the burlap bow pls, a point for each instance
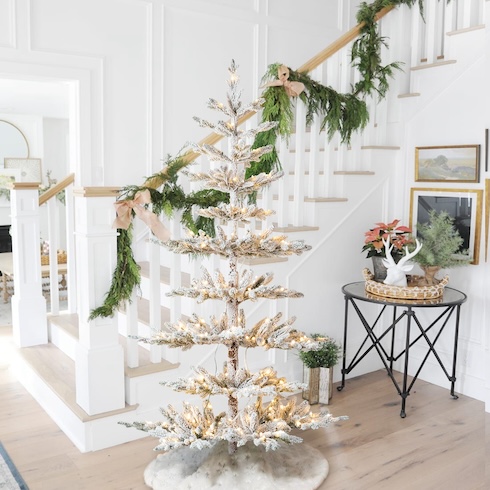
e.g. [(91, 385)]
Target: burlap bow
[(124, 215), (293, 89)]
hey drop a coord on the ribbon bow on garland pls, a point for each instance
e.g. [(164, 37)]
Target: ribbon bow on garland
[(293, 89), (124, 215)]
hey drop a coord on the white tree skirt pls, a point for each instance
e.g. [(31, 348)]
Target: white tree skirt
[(292, 467)]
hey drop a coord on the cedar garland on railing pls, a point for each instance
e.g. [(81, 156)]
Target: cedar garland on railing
[(340, 113)]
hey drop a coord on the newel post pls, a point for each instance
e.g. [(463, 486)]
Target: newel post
[(99, 356), (29, 322)]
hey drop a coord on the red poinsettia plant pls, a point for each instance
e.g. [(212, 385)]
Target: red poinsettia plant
[(399, 236)]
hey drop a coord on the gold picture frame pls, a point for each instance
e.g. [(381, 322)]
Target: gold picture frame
[(447, 163), (463, 205)]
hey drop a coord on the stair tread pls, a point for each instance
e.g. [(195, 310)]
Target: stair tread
[(465, 29), (57, 370), (411, 94), (433, 65), (379, 147), (326, 199), (275, 197), (69, 323), (307, 172), (261, 260), (145, 364), (306, 150), (144, 312), (295, 229), (164, 274), (283, 229)]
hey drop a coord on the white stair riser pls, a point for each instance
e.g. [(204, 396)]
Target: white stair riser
[(66, 342)]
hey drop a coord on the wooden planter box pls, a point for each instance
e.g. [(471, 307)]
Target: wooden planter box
[(319, 383)]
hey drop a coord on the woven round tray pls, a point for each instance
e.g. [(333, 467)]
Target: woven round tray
[(400, 292)]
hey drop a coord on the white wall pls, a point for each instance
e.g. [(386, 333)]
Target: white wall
[(454, 114), (143, 68)]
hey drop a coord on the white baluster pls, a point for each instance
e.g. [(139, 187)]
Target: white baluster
[(430, 14), (53, 230), (327, 165), (71, 276), (132, 349), (417, 35), (299, 165), (155, 301), (314, 177), (282, 185), (464, 13), (440, 33), (175, 302)]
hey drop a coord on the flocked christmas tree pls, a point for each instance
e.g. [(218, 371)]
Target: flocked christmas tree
[(270, 418)]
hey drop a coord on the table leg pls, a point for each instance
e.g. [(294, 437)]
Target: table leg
[(392, 339), (455, 352), (344, 347), (404, 393)]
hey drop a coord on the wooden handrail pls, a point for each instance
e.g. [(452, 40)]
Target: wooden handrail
[(310, 65), (52, 191), (337, 45)]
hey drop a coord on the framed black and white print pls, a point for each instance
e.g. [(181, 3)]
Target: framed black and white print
[(463, 205)]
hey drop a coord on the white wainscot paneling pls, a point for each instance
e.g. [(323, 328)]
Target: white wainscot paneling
[(116, 31), (198, 49), (7, 23), (295, 43), (90, 27), (247, 5), (324, 14)]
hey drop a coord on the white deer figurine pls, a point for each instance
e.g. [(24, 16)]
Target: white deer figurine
[(395, 275)]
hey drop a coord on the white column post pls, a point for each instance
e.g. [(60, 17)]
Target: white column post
[(28, 303), (99, 356)]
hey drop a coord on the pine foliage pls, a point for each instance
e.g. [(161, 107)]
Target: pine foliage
[(125, 279), (441, 242)]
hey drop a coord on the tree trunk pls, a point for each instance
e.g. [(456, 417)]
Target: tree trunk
[(430, 272)]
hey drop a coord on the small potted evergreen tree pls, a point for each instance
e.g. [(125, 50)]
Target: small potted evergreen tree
[(441, 247), (318, 370)]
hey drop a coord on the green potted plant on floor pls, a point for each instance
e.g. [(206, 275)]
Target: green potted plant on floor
[(318, 370), (441, 247)]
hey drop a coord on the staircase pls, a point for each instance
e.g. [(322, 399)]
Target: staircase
[(329, 193)]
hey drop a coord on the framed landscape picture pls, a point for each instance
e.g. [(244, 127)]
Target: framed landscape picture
[(447, 163), (463, 205)]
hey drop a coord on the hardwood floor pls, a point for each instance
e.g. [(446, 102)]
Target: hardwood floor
[(441, 444)]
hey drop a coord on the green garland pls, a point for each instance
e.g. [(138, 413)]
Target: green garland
[(125, 278), (339, 113)]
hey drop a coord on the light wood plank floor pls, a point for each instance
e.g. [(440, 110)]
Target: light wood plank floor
[(441, 444)]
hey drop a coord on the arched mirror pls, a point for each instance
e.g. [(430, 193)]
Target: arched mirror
[(13, 143)]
